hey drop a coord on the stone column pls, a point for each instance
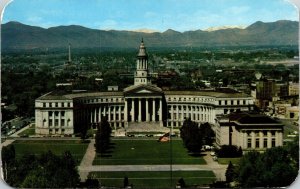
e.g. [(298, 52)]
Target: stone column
[(125, 110), (92, 115), (269, 139), (114, 117), (147, 110), (95, 115), (261, 139), (172, 114), (100, 114), (109, 112), (104, 112), (182, 112), (59, 121), (177, 115), (140, 110), (160, 109), (280, 139), (252, 139), (120, 113), (276, 138), (132, 110), (153, 110), (114, 112)]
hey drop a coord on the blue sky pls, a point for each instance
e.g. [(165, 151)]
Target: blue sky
[(180, 15)]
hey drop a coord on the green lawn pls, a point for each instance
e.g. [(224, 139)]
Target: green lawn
[(143, 152), (28, 132), (58, 147), (225, 161), (154, 179)]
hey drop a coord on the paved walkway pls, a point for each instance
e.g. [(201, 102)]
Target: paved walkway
[(9, 141), (218, 169), (86, 166), (87, 160)]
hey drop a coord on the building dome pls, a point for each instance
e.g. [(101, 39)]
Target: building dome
[(142, 50)]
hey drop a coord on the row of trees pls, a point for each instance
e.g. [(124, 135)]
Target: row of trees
[(44, 171), (277, 167), (194, 136)]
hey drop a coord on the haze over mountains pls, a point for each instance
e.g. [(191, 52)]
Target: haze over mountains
[(19, 36)]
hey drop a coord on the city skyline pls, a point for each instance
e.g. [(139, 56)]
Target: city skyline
[(168, 14)]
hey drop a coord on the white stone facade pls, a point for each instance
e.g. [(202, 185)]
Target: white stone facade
[(67, 112), (252, 134)]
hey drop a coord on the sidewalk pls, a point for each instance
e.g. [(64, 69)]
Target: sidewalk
[(87, 160), (86, 166)]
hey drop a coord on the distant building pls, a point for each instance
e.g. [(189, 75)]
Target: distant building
[(249, 131), (265, 90), (112, 88), (140, 105), (293, 89)]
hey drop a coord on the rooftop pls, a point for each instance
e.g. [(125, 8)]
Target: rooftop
[(252, 118)]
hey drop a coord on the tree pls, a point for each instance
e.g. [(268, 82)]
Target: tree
[(264, 170), (229, 151), (8, 154), (191, 136), (125, 182), (181, 183), (45, 171), (230, 172), (207, 133), (102, 139)]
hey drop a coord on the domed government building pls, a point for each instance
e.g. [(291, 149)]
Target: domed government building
[(144, 107)]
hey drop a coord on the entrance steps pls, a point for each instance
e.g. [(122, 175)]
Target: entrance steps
[(146, 127)]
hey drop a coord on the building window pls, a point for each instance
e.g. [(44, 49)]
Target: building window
[(249, 144), (44, 105), (257, 143), (62, 113), (273, 133), (56, 123), (238, 102), (265, 142), (69, 105), (50, 113), (225, 111), (62, 122), (225, 102), (56, 104), (265, 133), (56, 113), (50, 104), (220, 102), (244, 102), (50, 123), (273, 142), (62, 104)]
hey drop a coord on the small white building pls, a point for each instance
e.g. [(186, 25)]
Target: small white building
[(249, 131)]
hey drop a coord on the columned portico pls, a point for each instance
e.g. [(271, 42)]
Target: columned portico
[(143, 109)]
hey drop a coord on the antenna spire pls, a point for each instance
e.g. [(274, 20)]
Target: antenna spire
[(69, 53)]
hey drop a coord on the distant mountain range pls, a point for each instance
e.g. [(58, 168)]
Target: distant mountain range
[(19, 36)]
